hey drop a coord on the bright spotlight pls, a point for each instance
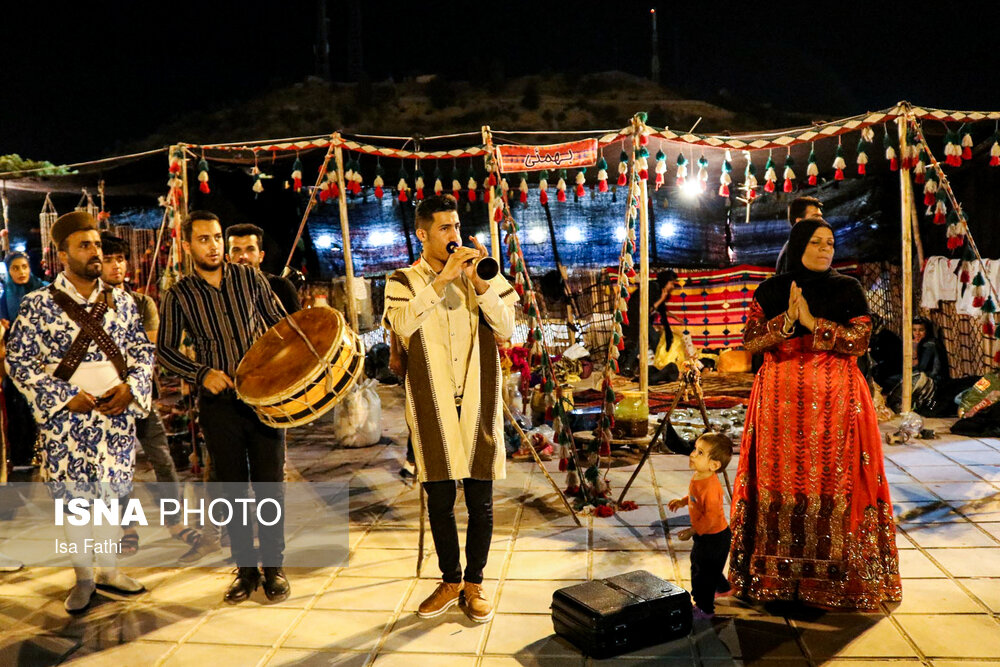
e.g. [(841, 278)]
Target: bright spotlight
[(668, 229), (574, 234), (691, 188), (382, 238), (324, 242), (537, 235), (619, 234)]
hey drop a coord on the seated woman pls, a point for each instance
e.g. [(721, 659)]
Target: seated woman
[(929, 370), (812, 517)]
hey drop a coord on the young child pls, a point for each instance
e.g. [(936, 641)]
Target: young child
[(709, 527)]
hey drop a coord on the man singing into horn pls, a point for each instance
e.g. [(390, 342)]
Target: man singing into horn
[(448, 319)]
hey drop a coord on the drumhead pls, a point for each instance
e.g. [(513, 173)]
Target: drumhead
[(280, 358)]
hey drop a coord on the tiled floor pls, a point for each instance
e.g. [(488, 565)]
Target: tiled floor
[(947, 491)]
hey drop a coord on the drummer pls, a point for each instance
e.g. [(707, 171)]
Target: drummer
[(225, 308)]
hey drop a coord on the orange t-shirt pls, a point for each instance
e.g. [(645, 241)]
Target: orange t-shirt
[(705, 506)]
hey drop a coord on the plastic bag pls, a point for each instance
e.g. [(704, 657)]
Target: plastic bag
[(357, 419)]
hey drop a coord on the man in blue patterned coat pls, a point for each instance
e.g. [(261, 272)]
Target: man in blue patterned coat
[(78, 353)]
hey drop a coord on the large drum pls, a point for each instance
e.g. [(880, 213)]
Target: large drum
[(300, 368)]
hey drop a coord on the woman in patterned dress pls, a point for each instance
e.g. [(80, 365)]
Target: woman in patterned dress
[(812, 518)]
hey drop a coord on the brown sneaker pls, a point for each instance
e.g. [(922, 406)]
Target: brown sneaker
[(441, 600), (475, 604)]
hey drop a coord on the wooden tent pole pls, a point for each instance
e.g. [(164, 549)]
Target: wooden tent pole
[(345, 232), (494, 201), (638, 126), (906, 204)]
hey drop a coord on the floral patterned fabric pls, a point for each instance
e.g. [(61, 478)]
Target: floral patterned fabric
[(83, 454)]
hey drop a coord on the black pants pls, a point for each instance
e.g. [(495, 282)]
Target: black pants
[(22, 432), (245, 450), (708, 558), (441, 512)]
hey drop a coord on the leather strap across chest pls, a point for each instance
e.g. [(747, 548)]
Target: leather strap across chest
[(91, 330)]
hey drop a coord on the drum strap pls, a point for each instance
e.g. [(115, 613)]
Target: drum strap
[(91, 330)]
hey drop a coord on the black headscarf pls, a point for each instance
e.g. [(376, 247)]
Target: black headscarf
[(830, 295)]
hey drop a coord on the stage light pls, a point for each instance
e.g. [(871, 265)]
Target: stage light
[(574, 234), (481, 238), (691, 188), (619, 234), (20, 246), (668, 229), (537, 235), (382, 238), (324, 242)]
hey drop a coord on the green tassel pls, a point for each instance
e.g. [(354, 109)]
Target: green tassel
[(623, 157), (609, 396), (989, 306), (602, 164), (592, 473), (643, 116), (769, 164), (660, 155), (979, 281)]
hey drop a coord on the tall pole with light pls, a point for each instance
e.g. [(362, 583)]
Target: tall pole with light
[(655, 65)]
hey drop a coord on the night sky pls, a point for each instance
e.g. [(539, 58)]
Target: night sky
[(77, 84)]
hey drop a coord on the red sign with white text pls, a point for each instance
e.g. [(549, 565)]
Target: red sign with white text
[(555, 156)]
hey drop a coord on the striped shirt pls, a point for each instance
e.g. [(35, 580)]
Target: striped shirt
[(223, 322)]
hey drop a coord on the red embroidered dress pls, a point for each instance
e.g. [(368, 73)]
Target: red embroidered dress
[(811, 517)]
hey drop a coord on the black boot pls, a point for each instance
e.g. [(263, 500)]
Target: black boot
[(246, 582), (276, 586)]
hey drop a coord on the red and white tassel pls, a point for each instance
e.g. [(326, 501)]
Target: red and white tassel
[(967, 145), (703, 174), (523, 189), (930, 192), (642, 165), (543, 190), (660, 169), (456, 188), (995, 152), (788, 175), (504, 190), (472, 185), (839, 164), (682, 172), (602, 179), (725, 179), (379, 185), (890, 155), (940, 212), (418, 188), (330, 189), (920, 171), (952, 151), (770, 176), (867, 139), (581, 181), (623, 170), (402, 187), (561, 189), (438, 186)]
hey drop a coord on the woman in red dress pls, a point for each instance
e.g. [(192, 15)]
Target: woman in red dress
[(811, 517)]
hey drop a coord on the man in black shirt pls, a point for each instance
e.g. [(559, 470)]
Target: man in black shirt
[(225, 308), (800, 209), (243, 243)]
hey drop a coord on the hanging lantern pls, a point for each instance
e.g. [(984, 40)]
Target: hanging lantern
[(789, 173), (812, 169), (602, 175), (660, 169), (725, 179), (770, 176), (203, 176)]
